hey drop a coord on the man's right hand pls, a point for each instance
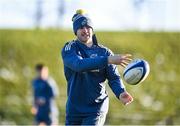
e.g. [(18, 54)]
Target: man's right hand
[(122, 60)]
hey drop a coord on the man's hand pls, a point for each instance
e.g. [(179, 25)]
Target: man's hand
[(125, 98), (122, 60), (34, 110)]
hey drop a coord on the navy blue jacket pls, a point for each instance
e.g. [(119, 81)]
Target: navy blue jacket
[(43, 92), (86, 69)]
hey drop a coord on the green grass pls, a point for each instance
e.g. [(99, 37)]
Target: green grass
[(156, 100)]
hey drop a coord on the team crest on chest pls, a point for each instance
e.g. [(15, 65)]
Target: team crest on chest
[(93, 55)]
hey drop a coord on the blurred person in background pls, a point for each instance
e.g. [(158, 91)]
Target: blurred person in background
[(87, 65), (45, 91)]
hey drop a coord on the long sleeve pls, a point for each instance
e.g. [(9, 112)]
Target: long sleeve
[(114, 80), (77, 63)]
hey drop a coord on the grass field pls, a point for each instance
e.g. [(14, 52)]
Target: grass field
[(156, 100)]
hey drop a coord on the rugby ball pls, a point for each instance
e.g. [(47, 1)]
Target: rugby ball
[(136, 71)]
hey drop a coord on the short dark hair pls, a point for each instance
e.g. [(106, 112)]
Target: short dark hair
[(39, 67)]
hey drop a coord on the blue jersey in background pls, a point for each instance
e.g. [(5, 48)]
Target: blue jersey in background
[(42, 98)]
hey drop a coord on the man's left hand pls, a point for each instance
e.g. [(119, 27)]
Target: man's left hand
[(125, 98)]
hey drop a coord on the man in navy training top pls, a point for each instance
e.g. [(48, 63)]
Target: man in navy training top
[(45, 90), (87, 65)]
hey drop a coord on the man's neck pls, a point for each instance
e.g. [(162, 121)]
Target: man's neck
[(88, 43)]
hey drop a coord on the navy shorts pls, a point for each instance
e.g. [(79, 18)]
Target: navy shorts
[(43, 118), (94, 119)]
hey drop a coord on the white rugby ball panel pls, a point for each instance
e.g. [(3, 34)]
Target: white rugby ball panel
[(134, 75)]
